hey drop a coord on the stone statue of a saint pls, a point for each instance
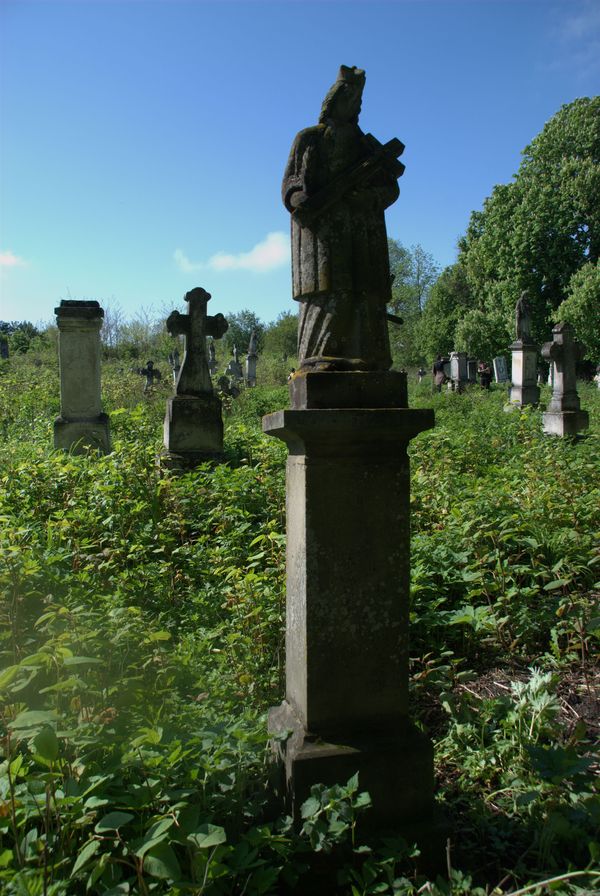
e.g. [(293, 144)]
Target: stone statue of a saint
[(337, 184), (523, 318)]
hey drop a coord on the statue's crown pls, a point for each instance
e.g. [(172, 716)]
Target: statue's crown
[(352, 75)]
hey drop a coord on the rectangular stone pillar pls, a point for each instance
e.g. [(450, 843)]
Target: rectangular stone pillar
[(524, 389), (82, 425), (348, 574), (458, 370)]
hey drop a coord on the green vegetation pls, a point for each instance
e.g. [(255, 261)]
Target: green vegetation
[(142, 642), (536, 233)]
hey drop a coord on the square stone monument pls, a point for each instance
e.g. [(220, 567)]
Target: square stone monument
[(524, 389), (82, 425), (459, 372), (193, 428), (347, 486), (563, 416)]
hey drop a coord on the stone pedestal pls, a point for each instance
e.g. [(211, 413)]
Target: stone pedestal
[(82, 425), (193, 429), (459, 373), (524, 389), (563, 416), (251, 370), (348, 569)]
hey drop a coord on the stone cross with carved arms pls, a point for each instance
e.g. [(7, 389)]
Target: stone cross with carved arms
[(563, 416), (196, 325)]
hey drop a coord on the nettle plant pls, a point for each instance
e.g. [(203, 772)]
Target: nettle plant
[(141, 642)]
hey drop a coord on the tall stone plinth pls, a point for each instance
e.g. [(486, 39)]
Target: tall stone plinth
[(193, 429), (524, 389), (82, 425), (348, 570)]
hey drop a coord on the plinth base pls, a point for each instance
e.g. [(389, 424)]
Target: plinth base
[(395, 767), (193, 429), (82, 436), (565, 423), (521, 396)]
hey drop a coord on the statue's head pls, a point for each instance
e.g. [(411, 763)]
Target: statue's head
[(344, 98)]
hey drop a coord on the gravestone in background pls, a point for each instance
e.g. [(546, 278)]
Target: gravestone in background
[(82, 425), (500, 369), (212, 358), (524, 389), (4, 348), (251, 360), (347, 486), (459, 373), (472, 370), (563, 416), (193, 428), (234, 368)]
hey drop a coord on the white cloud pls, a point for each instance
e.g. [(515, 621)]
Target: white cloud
[(8, 259), (271, 253)]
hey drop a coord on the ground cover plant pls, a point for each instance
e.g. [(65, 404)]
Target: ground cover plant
[(142, 642)]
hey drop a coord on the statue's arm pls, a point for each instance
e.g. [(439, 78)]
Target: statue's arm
[(299, 171)]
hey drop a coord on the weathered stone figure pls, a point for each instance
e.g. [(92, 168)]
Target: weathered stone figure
[(523, 318), (338, 181), (193, 429), (347, 488)]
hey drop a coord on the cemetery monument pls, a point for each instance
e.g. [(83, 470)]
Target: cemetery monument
[(347, 483), (500, 369), (251, 359), (234, 368), (524, 389), (459, 372), (563, 416), (82, 425), (193, 429)]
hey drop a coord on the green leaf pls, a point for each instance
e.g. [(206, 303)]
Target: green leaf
[(208, 835), (310, 807), (556, 584), (85, 854), (80, 660), (32, 718), (159, 636), (113, 821), (46, 743), (161, 862), (6, 858), (7, 675)]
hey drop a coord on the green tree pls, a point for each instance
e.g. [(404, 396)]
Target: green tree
[(581, 308), (537, 231), (281, 336), (414, 271), (241, 325), (449, 299)]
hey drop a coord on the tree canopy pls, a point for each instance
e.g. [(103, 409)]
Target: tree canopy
[(535, 233)]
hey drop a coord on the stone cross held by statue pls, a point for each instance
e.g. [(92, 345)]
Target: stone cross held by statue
[(195, 326)]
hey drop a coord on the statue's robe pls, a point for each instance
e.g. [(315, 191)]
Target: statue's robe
[(340, 263)]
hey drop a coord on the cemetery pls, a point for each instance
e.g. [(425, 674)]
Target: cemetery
[(308, 623)]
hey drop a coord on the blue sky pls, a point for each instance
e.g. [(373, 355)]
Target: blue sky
[(143, 142)]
